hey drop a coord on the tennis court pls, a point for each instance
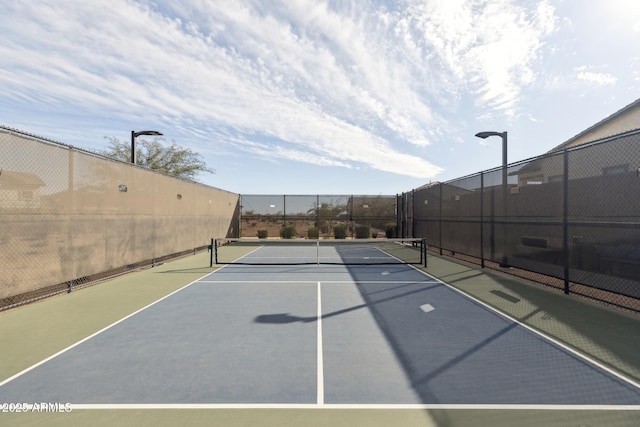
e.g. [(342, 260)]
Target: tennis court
[(372, 338)]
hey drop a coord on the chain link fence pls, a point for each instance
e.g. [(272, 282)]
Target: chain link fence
[(69, 217), (569, 219), (318, 216)]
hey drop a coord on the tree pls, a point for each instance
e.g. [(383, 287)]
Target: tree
[(172, 160), (326, 213)]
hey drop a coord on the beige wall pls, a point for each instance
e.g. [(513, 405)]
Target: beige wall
[(627, 121), (83, 224)]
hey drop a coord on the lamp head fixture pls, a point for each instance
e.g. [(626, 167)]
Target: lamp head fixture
[(484, 135)]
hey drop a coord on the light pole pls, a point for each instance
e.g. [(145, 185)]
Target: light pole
[(134, 135), (502, 135)]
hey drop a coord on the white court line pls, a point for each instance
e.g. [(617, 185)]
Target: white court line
[(539, 333), (419, 406), (355, 282), (266, 282), (320, 361), (320, 400), (32, 367)]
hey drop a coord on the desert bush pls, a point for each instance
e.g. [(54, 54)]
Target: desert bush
[(390, 230), (362, 232), (263, 234), (340, 231), (312, 232), (288, 231)]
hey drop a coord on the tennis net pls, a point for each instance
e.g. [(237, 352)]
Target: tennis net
[(319, 251)]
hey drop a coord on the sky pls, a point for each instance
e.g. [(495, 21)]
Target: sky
[(320, 97)]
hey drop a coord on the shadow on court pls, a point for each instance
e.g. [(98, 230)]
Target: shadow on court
[(609, 336), (282, 318), (464, 353)]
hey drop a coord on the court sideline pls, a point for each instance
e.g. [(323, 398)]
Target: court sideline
[(48, 325)]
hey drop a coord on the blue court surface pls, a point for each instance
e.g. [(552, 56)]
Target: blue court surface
[(320, 336)]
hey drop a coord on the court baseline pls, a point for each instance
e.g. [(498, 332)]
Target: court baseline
[(371, 347)]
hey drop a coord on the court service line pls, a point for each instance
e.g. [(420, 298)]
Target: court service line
[(266, 282), (401, 282), (320, 359), (64, 350)]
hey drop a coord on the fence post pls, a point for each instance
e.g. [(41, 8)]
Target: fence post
[(413, 214), (423, 250), (482, 219), (565, 220), (399, 214), (440, 220), (284, 210), (239, 216)]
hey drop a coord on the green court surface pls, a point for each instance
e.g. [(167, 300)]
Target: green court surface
[(34, 332), (325, 418)]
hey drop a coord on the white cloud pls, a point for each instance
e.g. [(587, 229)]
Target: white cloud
[(598, 78), (352, 86), (603, 79), (486, 47)]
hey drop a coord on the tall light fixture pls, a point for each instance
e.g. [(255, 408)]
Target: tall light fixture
[(502, 135), (134, 135)]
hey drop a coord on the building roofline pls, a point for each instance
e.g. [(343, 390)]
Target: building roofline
[(619, 113)]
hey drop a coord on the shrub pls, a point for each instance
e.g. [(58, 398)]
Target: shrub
[(390, 230), (263, 234), (374, 234), (362, 232), (312, 233), (340, 231), (288, 231)]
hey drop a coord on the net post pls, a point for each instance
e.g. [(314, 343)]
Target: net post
[(211, 249), (423, 250), (318, 251)]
